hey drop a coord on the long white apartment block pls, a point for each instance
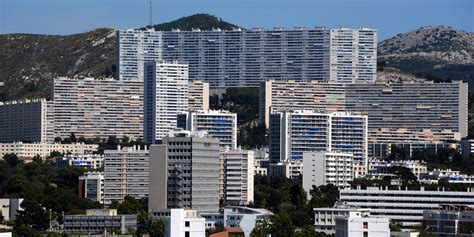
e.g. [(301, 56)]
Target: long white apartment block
[(321, 168), (100, 108), (218, 124), (403, 206), (236, 168), (422, 112), (29, 150), (166, 96), (26, 121), (126, 173), (325, 218), (294, 132), (243, 58), (198, 95)]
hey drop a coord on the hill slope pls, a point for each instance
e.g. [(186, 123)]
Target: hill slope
[(433, 52), (201, 21)]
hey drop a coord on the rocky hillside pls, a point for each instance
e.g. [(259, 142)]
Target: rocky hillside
[(28, 63), (437, 52)]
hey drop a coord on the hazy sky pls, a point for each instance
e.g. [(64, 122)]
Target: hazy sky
[(390, 17)]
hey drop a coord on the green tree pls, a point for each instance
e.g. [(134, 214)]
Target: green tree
[(306, 231), (323, 196), (25, 230), (32, 215), (12, 160), (395, 227), (262, 228), (157, 228), (281, 225), (404, 174)]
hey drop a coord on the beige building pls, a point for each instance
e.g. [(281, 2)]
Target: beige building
[(29, 150), (198, 95), (236, 171)]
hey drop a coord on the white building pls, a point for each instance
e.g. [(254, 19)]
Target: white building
[(166, 96), (361, 224), (237, 216), (96, 221), (403, 206), (125, 173), (290, 169), (9, 207), (321, 168), (218, 124), (29, 150), (91, 186), (88, 161), (383, 167), (294, 132), (236, 176), (325, 218), (184, 223)]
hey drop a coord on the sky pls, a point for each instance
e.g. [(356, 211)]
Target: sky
[(389, 17)]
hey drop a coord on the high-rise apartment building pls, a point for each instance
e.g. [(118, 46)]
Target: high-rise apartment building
[(321, 168), (166, 96), (218, 124), (184, 173), (294, 132), (125, 173), (424, 112), (26, 121), (100, 108), (236, 168), (243, 58), (134, 49), (198, 95)]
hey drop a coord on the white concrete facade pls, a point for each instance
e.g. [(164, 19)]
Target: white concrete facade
[(30, 150), (236, 176), (360, 224), (184, 223)]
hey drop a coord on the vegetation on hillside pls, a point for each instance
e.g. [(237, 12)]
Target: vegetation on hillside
[(197, 21)]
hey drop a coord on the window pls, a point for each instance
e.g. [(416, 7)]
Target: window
[(365, 225), (186, 223), (186, 234), (366, 234)]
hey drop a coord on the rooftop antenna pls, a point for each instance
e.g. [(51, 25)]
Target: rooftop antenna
[(151, 14)]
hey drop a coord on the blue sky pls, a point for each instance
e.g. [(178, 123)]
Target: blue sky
[(390, 17)]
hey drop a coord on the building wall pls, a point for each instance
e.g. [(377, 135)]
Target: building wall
[(185, 223), (93, 108), (126, 173), (236, 183), (30, 150), (166, 96), (198, 97), (243, 58), (28, 121), (424, 117)]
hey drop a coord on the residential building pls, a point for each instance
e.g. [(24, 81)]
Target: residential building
[(237, 216), (243, 58), (230, 232), (9, 207), (325, 218), (403, 206), (126, 173), (467, 147), (236, 171), (218, 124), (88, 161), (452, 176), (91, 186), (26, 121), (184, 173), (98, 108), (96, 221), (383, 167), (166, 96), (198, 95), (431, 112), (450, 221), (362, 224), (321, 168), (407, 150), (184, 223), (27, 151), (294, 132)]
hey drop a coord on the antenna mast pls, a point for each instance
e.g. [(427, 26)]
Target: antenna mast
[(151, 13)]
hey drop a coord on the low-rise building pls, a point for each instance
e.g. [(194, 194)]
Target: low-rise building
[(403, 206), (362, 224), (237, 216), (88, 161), (383, 167), (325, 218), (27, 151), (230, 232), (9, 207), (289, 169), (184, 223), (450, 221), (95, 221)]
